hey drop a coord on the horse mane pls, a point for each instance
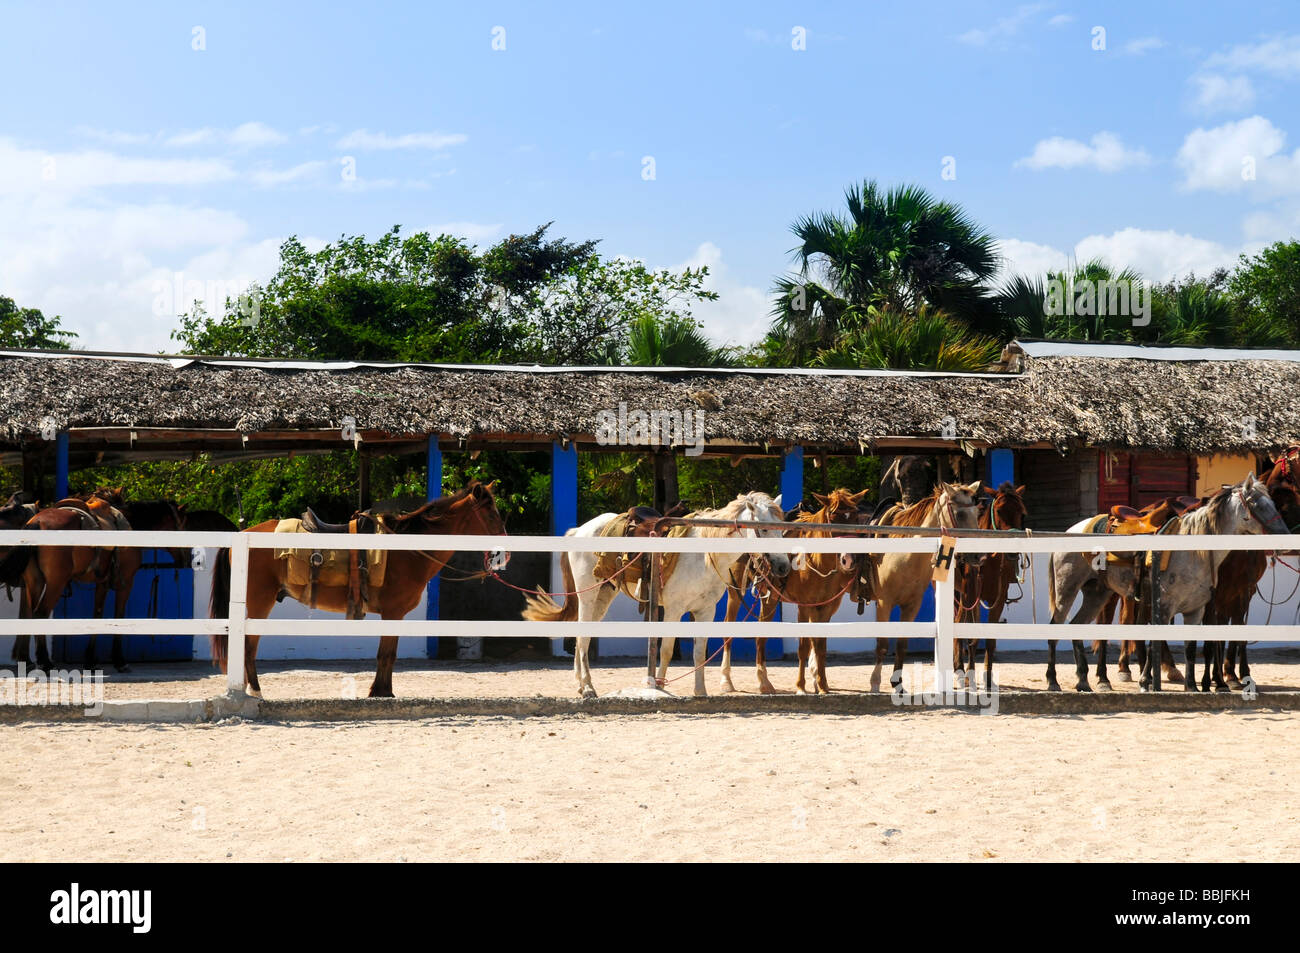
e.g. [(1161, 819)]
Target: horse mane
[(916, 514), (430, 512), (754, 499), (1006, 486), (1207, 515)]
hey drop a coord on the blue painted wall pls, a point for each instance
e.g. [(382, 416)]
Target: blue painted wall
[(175, 601), (432, 490)]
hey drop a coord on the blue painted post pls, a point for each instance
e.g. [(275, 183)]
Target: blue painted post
[(61, 466), (791, 477), (432, 490), (1001, 467), (564, 503)]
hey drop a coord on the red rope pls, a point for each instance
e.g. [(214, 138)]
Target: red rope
[(533, 592)]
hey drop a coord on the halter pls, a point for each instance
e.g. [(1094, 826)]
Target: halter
[(1245, 502)]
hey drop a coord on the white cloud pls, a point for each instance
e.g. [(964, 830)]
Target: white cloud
[(31, 171), (1028, 258), (1061, 19), (1278, 56), (1005, 28), (115, 137), (1104, 153), (366, 140), (249, 135), (473, 232), (1212, 92), (741, 313), (1156, 255), (1143, 45), (266, 176), (1220, 158)]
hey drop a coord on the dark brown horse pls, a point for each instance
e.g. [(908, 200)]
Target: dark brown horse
[(1238, 580), (471, 511), (142, 515), (987, 583)]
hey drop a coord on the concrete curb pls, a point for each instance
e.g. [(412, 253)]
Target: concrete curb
[(841, 703)]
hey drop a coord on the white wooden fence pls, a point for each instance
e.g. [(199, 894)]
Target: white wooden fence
[(237, 625)]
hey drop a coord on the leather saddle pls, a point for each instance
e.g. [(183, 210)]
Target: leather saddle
[(312, 523), (1127, 521), (358, 561)]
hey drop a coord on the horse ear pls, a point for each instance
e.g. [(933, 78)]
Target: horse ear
[(973, 488), (1020, 490), (823, 500), (857, 497), (988, 491), (1250, 478)]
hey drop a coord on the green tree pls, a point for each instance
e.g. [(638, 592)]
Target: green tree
[(29, 328), (894, 250), (928, 339), (1267, 289)]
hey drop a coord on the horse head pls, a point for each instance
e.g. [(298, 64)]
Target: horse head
[(1252, 509), (1008, 510), (957, 507), (758, 507)]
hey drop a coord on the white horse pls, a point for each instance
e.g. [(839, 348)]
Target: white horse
[(693, 588)]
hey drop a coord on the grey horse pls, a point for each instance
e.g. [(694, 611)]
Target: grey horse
[(1186, 585)]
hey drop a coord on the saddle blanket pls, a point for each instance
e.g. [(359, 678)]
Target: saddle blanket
[(335, 568)]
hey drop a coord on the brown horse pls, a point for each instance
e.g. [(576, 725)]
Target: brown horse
[(904, 577), (470, 511), (816, 584), (45, 571), (987, 584), (141, 515)]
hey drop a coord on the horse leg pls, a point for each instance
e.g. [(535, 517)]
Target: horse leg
[(805, 646), (1245, 664), (883, 609), (1126, 651), (701, 660), (819, 651), (1103, 682), (1230, 665), (382, 687), (1052, 684), (1167, 663), (1189, 660), (592, 606), (989, 646), (101, 593), (765, 686), (906, 613), (1080, 666), (726, 667)]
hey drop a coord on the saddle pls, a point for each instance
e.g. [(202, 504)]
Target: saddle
[(354, 569), (632, 568), (1127, 521)]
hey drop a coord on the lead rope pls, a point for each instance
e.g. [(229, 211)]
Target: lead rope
[(1033, 582)]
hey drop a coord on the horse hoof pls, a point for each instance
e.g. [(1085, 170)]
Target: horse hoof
[(727, 688), (800, 690), (1104, 687), (254, 693), (1222, 690), (1123, 677), (875, 684), (1083, 687), (373, 694), (1053, 687), (766, 690), (1234, 684), (588, 693), (1190, 687)]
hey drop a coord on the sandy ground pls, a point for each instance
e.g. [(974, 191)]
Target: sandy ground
[(935, 785), (1273, 668), (938, 785)]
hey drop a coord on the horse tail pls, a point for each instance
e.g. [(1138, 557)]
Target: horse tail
[(1051, 586), (219, 606), (542, 608)]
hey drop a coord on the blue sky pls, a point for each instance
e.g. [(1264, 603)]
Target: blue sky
[(128, 156)]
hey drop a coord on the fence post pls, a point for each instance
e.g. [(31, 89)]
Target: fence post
[(943, 634), (237, 617)]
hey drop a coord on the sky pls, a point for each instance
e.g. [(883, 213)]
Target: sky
[(151, 150)]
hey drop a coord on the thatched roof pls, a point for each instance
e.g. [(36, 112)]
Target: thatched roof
[(1053, 396)]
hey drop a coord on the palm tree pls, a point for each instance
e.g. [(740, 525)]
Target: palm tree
[(926, 340), (672, 342), (1048, 307), (896, 249)]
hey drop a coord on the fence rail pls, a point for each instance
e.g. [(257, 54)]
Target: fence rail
[(943, 629)]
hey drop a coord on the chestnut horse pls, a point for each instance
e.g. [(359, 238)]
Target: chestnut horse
[(816, 584), (904, 577), (45, 571), (470, 511), (987, 584)]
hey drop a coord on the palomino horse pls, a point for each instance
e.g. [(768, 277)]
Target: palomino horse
[(1185, 585), (904, 577), (470, 511), (45, 571), (693, 588), (816, 584), (987, 584)]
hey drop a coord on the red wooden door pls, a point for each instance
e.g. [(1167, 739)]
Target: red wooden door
[(1137, 479)]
